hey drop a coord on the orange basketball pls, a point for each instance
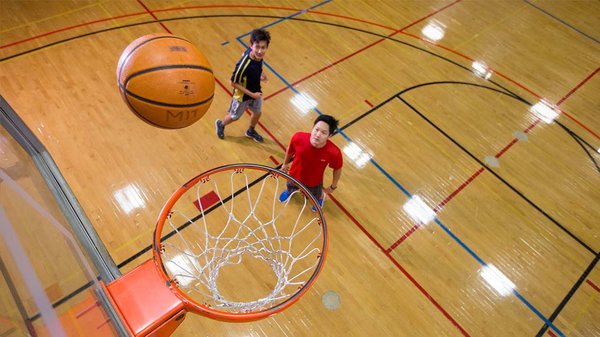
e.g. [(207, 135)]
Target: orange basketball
[(165, 80)]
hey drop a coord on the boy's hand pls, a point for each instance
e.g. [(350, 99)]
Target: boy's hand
[(256, 95), (263, 77)]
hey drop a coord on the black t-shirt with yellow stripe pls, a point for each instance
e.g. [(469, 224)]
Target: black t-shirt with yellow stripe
[(247, 73)]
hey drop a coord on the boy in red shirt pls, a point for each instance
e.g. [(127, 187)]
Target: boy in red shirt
[(312, 153)]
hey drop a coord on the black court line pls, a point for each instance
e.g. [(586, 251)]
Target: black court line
[(569, 295), (237, 16), (506, 183), (592, 265), (585, 146)]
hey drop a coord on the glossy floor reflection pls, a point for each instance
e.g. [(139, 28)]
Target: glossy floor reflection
[(469, 199)]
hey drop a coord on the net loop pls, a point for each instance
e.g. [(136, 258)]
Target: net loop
[(240, 253)]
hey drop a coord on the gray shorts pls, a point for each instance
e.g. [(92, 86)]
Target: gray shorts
[(317, 191), (237, 108)]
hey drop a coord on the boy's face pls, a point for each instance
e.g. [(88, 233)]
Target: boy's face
[(258, 49), (319, 134)]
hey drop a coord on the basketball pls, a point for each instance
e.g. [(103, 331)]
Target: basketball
[(165, 80)]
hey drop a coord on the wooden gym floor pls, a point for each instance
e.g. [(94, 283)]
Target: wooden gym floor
[(513, 196)]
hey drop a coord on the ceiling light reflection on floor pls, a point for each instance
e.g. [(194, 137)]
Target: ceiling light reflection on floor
[(497, 280), (303, 102), (418, 210), (481, 69), (434, 31), (357, 155), (129, 198), (544, 111), (181, 268)]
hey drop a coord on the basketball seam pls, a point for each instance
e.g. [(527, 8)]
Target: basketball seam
[(172, 66), (120, 66), (191, 105)]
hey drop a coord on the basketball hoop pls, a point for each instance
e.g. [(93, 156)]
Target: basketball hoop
[(229, 249)]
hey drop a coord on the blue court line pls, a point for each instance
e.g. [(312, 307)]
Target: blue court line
[(288, 17), (397, 184), (562, 21)]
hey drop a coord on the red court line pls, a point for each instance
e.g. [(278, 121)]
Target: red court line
[(512, 142), (577, 87), (357, 51), (569, 94), (430, 15), (142, 13), (436, 209), (593, 285), (328, 14), (369, 103), (518, 84), (460, 188), (397, 264), (551, 333), (436, 304), (274, 160), (402, 238), (325, 68), (529, 128), (69, 28), (353, 219), (154, 16)]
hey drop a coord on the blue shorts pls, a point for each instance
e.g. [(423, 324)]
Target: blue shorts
[(237, 108)]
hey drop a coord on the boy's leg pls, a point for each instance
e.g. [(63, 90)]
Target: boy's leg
[(236, 109), (318, 193), (285, 195), (255, 108)]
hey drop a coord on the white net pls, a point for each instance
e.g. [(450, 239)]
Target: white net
[(231, 245)]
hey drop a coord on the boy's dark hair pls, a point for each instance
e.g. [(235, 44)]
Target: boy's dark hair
[(330, 120), (260, 35)]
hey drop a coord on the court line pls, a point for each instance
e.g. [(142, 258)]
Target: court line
[(513, 82), (569, 295), (562, 21), (406, 192), (154, 16), (284, 8), (458, 240), (593, 285), (29, 23), (423, 291), (399, 266), (69, 28), (447, 230), (539, 209), (547, 322)]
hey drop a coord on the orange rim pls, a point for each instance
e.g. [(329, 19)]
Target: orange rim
[(204, 310)]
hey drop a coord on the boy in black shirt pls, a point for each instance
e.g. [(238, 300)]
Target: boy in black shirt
[(245, 80)]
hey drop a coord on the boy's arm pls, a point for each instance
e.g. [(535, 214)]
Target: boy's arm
[(288, 156), (337, 173), (254, 95)]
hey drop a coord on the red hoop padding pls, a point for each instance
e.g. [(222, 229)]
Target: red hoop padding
[(146, 305)]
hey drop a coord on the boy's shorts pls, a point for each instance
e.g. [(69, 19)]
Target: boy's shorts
[(317, 191), (237, 108)]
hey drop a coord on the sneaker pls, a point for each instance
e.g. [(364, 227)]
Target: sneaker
[(220, 129), (321, 201), (284, 196), (251, 133)]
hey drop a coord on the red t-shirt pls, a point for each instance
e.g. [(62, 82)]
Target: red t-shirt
[(309, 162)]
